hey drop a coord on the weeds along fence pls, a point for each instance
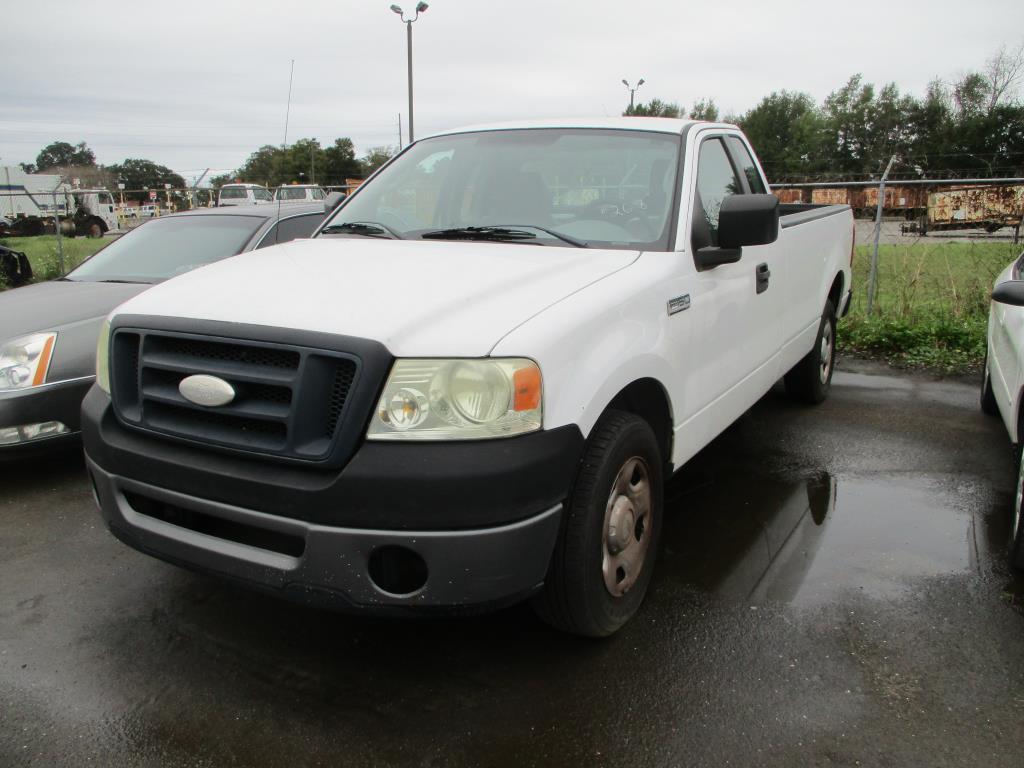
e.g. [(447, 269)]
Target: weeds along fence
[(931, 302)]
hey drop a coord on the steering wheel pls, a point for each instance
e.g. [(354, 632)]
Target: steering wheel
[(394, 219), (628, 215)]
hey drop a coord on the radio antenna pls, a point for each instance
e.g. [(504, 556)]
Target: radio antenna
[(284, 148)]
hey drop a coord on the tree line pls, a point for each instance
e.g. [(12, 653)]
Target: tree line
[(971, 127), (304, 161)]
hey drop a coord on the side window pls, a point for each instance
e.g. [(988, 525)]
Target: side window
[(716, 180), (747, 166), (263, 194), (291, 228)]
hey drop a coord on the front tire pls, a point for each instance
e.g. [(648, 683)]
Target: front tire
[(810, 379), (604, 558)]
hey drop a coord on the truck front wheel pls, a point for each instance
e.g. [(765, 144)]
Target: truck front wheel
[(605, 554), (809, 380)]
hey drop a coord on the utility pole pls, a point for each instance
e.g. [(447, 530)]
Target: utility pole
[(873, 276)]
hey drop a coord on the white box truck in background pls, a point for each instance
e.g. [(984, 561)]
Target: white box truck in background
[(31, 204)]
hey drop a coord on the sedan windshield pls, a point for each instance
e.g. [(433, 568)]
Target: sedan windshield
[(163, 248), (573, 187)]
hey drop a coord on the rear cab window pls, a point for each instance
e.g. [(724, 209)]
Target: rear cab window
[(741, 155)]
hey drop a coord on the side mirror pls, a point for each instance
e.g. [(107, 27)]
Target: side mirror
[(748, 220), (742, 220), (332, 201), (1011, 292)]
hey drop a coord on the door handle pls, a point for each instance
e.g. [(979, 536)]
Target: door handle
[(763, 275)]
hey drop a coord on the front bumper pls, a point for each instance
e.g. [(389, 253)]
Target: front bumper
[(477, 521), (327, 565)]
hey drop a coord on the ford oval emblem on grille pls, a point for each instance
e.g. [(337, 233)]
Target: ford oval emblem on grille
[(206, 390)]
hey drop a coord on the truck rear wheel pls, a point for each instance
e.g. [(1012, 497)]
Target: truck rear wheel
[(810, 379), (605, 554), (94, 228)]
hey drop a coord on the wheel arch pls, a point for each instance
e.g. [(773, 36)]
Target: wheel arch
[(835, 293), (648, 399)]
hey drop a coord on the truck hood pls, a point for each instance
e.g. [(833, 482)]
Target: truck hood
[(418, 298)]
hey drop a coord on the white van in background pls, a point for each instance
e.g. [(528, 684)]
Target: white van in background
[(299, 193), (244, 194)]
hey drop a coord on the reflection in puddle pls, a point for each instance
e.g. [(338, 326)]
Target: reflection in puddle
[(807, 542)]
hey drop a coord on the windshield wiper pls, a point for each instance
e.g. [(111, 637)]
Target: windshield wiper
[(509, 233), (135, 282), (364, 228)]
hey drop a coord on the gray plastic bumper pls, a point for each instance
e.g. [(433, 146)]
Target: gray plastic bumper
[(318, 563)]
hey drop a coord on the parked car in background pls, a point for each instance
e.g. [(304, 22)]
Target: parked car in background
[(243, 194), (48, 342), (1002, 387), (298, 193)]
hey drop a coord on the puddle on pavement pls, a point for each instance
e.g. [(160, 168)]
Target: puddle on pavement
[(807, 542)]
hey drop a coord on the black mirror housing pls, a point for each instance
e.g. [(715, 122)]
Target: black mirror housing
[(1010, 292), (748, 220), (332, 201)]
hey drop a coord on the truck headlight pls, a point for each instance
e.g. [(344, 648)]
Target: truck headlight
[(103, 357), (458, 400), (24, 361)]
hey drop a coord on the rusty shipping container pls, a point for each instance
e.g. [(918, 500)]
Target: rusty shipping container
[(897, 198), (789, 195), (988, 207), (839, 196)]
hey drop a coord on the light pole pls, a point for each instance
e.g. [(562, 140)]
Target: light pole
[(420, 8), (632, 91)]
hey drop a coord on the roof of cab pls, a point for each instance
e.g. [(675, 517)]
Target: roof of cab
[(656, 124)]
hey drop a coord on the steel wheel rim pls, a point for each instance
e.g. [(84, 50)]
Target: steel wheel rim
[(826, 352), (627, 527)]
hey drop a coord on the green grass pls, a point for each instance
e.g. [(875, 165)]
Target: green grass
[(931, 304), (42, 253)]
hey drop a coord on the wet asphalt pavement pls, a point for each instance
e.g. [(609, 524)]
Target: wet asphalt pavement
[(831, 590)]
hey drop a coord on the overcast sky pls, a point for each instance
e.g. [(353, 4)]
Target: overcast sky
[(196, 84)]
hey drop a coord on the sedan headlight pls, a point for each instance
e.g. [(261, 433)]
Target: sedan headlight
[(24, 361), (103, 357), (458, 400)]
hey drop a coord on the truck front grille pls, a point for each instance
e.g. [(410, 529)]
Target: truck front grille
[(290, 401)]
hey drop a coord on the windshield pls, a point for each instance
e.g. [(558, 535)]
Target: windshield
[(234, 193), (607, 188), (163, 248)]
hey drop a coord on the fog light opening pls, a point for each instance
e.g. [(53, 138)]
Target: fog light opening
[(28, 432), (397, 571)]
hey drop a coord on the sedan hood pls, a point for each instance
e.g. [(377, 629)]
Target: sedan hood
[(417, 298), (73, 309)]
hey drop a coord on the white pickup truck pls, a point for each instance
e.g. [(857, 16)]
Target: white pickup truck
[(469, 388)]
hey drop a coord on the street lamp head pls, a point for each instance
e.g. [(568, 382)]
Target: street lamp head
[(625, 83), (640, 83), (421, 7), (396, 9)]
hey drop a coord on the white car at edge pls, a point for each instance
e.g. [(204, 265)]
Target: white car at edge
[(1003, 380)]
